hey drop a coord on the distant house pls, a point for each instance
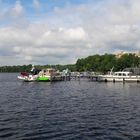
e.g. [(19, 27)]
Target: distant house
[(120, 54), (137, 54)]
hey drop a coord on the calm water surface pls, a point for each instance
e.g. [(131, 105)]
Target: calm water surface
[(69, 110)]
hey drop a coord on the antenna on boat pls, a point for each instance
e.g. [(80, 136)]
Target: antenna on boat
[(33, 67), (111, 70)]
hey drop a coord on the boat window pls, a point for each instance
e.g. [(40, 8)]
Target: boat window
[(50, 71), (124, 74), (119, 74)]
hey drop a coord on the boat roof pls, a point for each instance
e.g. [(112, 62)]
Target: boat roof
[(126, 72), (48, 69)]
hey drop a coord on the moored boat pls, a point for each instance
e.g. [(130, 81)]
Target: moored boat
[(49, 74), (29, 77), (121, 76)]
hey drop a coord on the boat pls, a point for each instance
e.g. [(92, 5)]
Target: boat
[(29, 77), (120, 76), (49, 74)]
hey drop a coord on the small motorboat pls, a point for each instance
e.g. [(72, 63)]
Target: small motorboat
[(29, 77)]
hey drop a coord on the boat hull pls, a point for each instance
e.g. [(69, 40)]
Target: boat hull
[(44, 78), (119, 79), (29, 78)]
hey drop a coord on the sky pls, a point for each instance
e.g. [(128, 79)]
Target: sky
[(61, 31)]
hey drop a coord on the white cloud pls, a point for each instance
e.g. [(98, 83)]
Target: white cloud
[(72, 32), (76, 34), (36, 4), (30, 44), (17, 10)]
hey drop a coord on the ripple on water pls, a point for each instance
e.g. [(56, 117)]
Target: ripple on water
[(80, 110)]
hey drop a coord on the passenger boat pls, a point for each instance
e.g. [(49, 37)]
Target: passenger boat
[(121, 76), (49, 74)]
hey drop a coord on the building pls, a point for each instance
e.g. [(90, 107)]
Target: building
[(120, 54), (137, 54)]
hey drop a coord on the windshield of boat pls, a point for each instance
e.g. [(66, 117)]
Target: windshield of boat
[(123, 74)]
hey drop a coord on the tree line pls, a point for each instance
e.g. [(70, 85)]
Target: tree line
[(96, 63), (103, 63), (27, 68)]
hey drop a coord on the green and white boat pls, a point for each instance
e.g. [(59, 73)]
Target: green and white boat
[(48, 75), (45, 75)]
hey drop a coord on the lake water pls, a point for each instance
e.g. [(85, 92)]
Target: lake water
[(72, 110)]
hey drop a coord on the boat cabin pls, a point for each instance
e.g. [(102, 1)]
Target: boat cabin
[(123, 73), (48, 72)]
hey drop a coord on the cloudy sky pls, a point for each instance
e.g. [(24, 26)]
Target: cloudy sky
[(61, 31)]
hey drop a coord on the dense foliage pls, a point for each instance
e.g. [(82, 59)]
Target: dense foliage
[(27, 68), (103, 63), (97, 63), (18, 68)]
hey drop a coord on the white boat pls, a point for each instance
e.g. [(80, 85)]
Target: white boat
[(27, 77), (121, 76)]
